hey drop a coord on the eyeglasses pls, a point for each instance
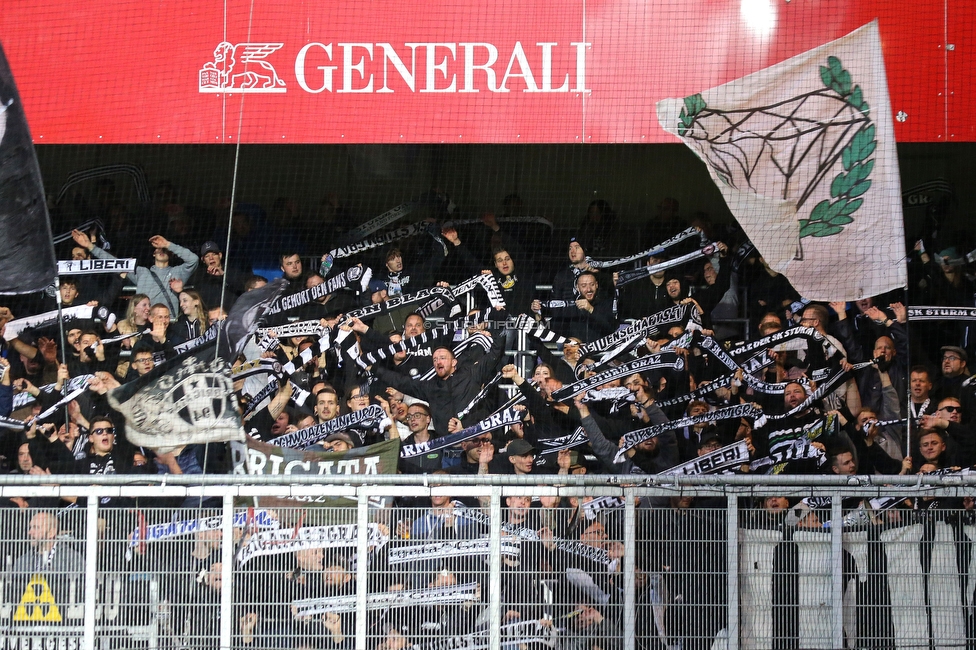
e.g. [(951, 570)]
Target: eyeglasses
[(951, 409), (145, 360), (950, 357), (416, 416), (109, 430)]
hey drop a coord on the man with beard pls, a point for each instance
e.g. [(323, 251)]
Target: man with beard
[(456, 382), (882, 387), (45, 579), (592, 316)]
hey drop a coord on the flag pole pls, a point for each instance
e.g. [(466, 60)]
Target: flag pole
[(64, 348)]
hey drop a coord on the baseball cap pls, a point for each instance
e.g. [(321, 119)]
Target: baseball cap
[(340, 435), (209, 247), (519, 447)]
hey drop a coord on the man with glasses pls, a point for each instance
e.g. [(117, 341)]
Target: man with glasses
[(418, 422), (954, 370), (107, 456), (962, 439)]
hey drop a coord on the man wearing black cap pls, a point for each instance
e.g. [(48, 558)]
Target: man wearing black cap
[(208, 280), (521, 455), (564, 286)]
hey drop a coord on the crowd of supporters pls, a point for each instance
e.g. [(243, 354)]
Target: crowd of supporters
[(890, 408)]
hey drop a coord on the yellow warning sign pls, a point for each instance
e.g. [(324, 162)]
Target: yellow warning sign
[(37, 604)]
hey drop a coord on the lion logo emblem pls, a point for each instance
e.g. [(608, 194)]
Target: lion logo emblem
[(231, 69)]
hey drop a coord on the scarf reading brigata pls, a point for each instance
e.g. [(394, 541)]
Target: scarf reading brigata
[(258, 458)]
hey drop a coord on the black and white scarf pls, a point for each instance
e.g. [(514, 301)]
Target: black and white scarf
[(626, 277), (650, 252), (634, 438), (367, 418), (668, 360)]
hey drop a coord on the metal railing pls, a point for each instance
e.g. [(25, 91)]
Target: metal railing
[(469, 562)]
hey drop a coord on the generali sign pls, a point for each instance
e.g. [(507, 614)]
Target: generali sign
[(244, 68), (293, 71)]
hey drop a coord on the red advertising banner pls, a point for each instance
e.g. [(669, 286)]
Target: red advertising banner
[(579, 71)]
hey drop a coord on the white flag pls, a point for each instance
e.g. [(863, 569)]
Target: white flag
[(804, 154)]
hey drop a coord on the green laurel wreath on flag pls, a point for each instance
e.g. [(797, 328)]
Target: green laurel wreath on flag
[(829, 217), (694, 104)]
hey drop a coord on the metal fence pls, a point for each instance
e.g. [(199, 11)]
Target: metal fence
[(609, 563)]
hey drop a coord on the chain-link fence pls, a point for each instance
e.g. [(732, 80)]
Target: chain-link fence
[(501, 564)]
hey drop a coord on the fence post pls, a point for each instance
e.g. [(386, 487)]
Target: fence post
[(362, 564), (837, 572), (227, 572), (495, 570), (630, 570), (732, 567), (91, 567)]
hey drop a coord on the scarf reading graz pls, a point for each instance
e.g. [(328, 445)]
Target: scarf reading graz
[(593, 508), (289, 540), (525, 634), (289, 330), (668, 360), (715, 462), (308, 607), (375, 242), (626, 277), (363, 419), (487, 282), (699, 393), (941, 313), (25, 399), (650, 252), (555, 445), (597, 555), (15, 327), (503, 417), (263, 519), (372, 311), (355, 278), (634, 438), (449, 548), (646, 326)]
